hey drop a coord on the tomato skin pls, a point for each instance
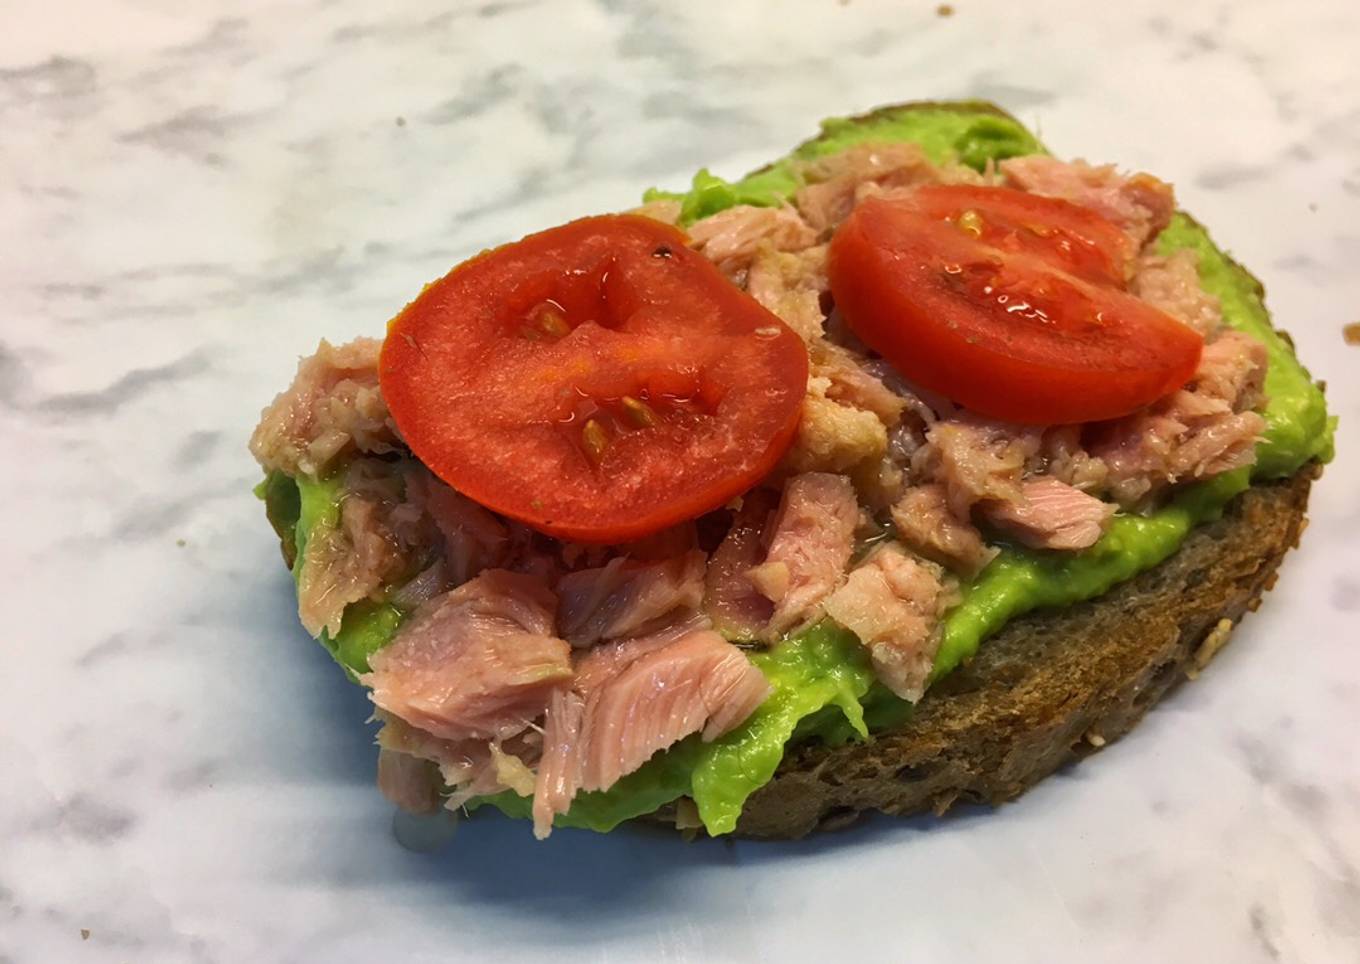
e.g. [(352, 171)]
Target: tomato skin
[(498, 374), (1006, 334), (1068, 236)]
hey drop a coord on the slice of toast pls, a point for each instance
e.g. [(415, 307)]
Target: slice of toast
[(1052, 687)]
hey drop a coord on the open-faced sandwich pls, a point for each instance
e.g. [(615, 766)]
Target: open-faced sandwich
[(900, 472)]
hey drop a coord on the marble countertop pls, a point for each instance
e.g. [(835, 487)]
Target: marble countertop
[(191, 194)]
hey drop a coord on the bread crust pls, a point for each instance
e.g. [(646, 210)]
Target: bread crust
[(1052, 687)]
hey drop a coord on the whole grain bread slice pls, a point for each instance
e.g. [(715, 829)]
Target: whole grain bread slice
[(1052, 687)]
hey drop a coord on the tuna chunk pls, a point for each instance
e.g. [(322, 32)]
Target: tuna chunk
[(474, 539), (791, 284), (1062, 456), (977, 460), (668, 543), (333, 406), (731, 239), (470, 768), (624, 597), (852, 384), (480, 661), (812, 537), (924, 522), (893, 604), (836, 183), (1172, 284), (739, 611), (632, 699), (665, 210), (1051, 515), (560, 769), (1195, 433), (1233, 370), (1138, 203), (833, 436)]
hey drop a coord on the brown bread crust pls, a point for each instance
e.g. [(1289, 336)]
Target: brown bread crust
[(1052, 687)]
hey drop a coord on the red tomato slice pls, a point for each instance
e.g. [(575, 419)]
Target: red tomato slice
[(598, 381), (1067, 235), (1005, 333)]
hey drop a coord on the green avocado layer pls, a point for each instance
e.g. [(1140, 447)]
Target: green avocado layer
[(822, 685)]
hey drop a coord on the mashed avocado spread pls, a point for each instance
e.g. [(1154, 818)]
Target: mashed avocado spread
[(823, 686)]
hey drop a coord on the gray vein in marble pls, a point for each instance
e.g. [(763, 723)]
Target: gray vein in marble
[(478, 94), (113, 645), (1261, 930), (195, 448), (55, 79), (1226, 177), (87, 819), (127, 388), (1339, 883), (198, 133), (196, 776), (152, 517)]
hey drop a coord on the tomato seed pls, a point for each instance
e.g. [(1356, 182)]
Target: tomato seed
[(595, 439), (639, 412), (970, 223)]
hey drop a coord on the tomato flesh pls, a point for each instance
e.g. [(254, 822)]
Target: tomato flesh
[(1018, 331), (598, 381)]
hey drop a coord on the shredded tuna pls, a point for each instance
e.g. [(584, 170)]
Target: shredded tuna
[(850, 383), (479, 661), (1062, 456), (834, 437), (1051, 515), (1138, 203), (1201, 431), (424, 586), (732, 238), (474, 539), (469, 768), (624, 597), (811, 540), (976, 459), (737, 609), (837, 182), (1171, 283), (332, 406), (883, 484), (924, 522), (665, 210), (893, 604), (559, 771), (1233, 370), (632, 699), (670, 542), (511, 772), (791, 284), (374, 545)]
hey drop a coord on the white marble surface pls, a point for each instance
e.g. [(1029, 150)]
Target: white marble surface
[(192, 193)]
